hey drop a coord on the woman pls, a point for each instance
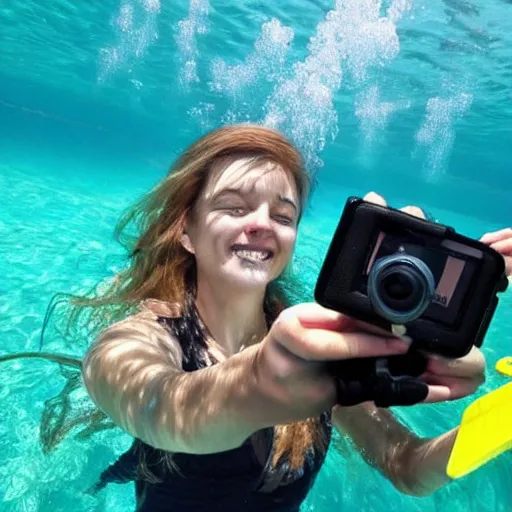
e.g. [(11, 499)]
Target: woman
[(219, 381)]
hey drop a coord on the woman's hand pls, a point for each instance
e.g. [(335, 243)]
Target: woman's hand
[(501, 241), (457, 378), (450, 379), (290, 365)]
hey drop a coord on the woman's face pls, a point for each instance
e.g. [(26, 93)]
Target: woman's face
[(244, 226)]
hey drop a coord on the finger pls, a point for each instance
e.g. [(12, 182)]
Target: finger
[(360, 326), (397, 331), (503, 246), (414, 210), (508, 266), (372, 197), (496, 236), (326, 345), (437, 394), (313, 315), (469, 366), (473, 382), (450, 389)]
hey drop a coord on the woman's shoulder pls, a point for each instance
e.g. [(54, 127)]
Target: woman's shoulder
[(158, 309), (147, 312), (143, 326)]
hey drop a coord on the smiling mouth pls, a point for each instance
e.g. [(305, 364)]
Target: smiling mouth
[(252, 254)]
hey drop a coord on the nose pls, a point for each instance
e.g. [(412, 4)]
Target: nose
[(258, 221)]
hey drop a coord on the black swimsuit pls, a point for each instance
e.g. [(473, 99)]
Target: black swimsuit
[(229, 481)]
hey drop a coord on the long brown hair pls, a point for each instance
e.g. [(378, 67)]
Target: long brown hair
[(160, 268)]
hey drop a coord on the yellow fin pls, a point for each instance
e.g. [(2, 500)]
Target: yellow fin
[(484, 433), (504, 366)]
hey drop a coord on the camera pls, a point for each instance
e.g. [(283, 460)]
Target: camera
[(386, 267)]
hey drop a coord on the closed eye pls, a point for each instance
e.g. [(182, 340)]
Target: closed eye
[(283, 219), (238, 211)]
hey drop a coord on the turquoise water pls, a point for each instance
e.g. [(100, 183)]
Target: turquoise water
[(412, 99)]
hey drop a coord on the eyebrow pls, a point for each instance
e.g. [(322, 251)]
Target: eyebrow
[(288, 201), (239, 192)]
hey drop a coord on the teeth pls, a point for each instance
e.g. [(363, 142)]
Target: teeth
[(253, 255)]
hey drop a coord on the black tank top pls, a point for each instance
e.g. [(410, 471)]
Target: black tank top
[(233, 480)]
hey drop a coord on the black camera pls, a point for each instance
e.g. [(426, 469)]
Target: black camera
[(387, 267)]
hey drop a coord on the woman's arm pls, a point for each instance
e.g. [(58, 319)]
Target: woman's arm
[(414, 465), (133, 373)]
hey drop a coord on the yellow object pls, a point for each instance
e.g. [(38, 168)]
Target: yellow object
[(504, 366), (484, 433)]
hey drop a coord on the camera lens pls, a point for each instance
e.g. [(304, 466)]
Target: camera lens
[(400, 288)]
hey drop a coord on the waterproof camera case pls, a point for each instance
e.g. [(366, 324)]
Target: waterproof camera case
[(387, 267)]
